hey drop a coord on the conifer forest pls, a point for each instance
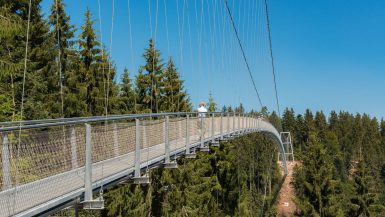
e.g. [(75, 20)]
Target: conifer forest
[(340, 156)]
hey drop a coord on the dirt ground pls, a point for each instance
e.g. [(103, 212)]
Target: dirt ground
[(286, 206)]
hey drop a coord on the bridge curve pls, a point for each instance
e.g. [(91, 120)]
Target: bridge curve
[(61, 162)]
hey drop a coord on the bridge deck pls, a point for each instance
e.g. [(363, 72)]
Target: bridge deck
[(113, 154)]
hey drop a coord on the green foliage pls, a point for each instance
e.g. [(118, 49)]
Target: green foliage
[(317, 191), (364, 201), (230, 181), (341, 164), (275, 121), (174, 98), (211, 105), (152, 79), (127, 94)]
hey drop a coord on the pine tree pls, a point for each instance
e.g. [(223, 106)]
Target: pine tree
[(151, 81), (240, 109), (224, 109), (317, 191), (275, 121), (10, 27), (300, 132), (212, 106), (364, 202), (38, 59), (62, 34), (127, 95), (320, 125), (89, 54), (288, 120), (333, 121), (127, 200), (174, 98), (264, 111), (141, 91), (230, 109), (308, 124)]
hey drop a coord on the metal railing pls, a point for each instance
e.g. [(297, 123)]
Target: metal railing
[(58, 160)]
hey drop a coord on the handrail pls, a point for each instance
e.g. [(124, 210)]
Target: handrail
[(33, 124)]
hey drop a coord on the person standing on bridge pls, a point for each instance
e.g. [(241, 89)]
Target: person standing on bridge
[(202, 110), (202, 114)]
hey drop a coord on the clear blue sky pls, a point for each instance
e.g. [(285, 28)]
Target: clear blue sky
[(329, 55)]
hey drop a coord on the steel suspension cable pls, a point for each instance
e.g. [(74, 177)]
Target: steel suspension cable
[(211, 35), (60, 69), (168, 47), (243, 53), (181, 42), (190, 45), (271, 55), (59, 58), (166, 23), (110, 54), (200, 41), (102, 50), (21, 107), (131, 47)]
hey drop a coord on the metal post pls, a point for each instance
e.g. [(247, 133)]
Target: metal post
[(202, 146), (167, 162), (138, 179), (7, 181), (212, 128), (228, 123), (202, 133), (221, 126), (239, 124), (116, 141), (137, 148), (233, 123), (188, 152), (247, 123), (89, 203), (187, 136), (88, 166), (74, 155), (166, 140)]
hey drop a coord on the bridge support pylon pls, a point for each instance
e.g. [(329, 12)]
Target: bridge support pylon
[(287, 143)]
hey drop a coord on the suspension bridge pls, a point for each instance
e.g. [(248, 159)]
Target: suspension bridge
[(67, 160), (48, 165)]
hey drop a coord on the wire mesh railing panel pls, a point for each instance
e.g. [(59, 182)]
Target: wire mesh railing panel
[(126, 137), (194, 129), (36, 167), (218, 124), (206, 127), (177, 132), (152, 138), (102, 142), (78, 141), (225, 124)]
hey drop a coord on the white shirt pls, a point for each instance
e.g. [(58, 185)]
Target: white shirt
[(202, 110)]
